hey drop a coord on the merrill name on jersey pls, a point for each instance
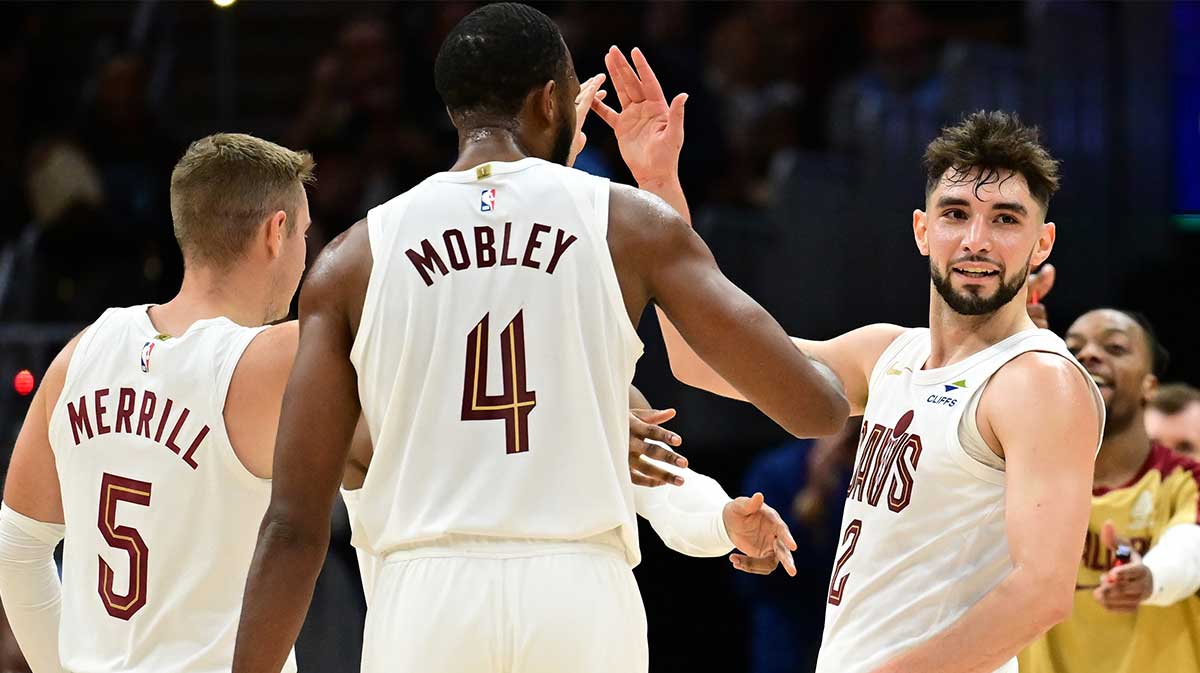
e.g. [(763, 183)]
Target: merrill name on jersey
[(137, 412)]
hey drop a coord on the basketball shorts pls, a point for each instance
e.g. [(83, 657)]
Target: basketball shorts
[(476, 605)]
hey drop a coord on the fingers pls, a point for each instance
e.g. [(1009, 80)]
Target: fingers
[(653, 415), (1108, 535), (744, 506), (654, 473), (676, 111), (659, 452), (650, 86), (609, 115), (756, 566), (1039, 315), (624, 79), (784, 555), (646, 431), (781, 530)]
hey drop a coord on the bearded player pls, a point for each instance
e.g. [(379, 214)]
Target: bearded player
[(965, 516)]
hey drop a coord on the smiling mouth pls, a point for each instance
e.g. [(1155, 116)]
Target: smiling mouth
[(975, 272)]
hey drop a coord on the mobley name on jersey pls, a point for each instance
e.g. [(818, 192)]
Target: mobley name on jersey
[(457, 251)]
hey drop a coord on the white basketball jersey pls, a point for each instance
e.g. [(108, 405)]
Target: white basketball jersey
[(494, 358), (161, 516), (923, 535)]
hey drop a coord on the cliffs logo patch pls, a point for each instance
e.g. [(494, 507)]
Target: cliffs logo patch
[(487, 200), (957, 385), (147, 349)]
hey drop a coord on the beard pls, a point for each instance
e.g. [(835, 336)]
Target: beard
[(561, 151), (970, 303)]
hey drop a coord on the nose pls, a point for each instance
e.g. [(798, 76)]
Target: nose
[(977, 239), (1089, 353)]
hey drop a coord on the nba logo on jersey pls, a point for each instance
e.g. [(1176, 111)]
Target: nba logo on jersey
[(146, 350), (487, 201)]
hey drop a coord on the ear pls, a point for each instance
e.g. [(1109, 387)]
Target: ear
[(921, 231), (1045, 243), (274, 232), (1149, 388), (546, 105)]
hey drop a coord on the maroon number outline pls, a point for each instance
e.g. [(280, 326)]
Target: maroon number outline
[(515, 403), (114, 489), (836, 588)]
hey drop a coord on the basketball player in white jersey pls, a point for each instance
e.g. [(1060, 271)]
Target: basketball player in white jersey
[(966, 514), (149, 443), (483, 323)]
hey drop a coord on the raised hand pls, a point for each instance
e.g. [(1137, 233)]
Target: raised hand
[(589, 92), (1124, 587), (647, 439), (758, 531), (649, 131)]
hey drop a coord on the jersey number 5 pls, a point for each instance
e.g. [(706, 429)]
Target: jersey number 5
[(516, 401), (114, 489)]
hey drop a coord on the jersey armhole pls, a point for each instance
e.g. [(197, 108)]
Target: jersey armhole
[(377, 242), (82, 348), (893, 350), (600, 200), (222, 379)]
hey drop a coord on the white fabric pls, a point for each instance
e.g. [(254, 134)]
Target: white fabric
[(923, 536), (689, 518), (434, 474), (507, 607), (30, 587), (152, 469), (1175, 565), (368, 563)]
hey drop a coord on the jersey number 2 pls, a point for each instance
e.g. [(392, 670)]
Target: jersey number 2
[(516, 401), (837, 586), (114, 489)]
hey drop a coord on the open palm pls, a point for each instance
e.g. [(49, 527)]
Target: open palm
[(649, 131)]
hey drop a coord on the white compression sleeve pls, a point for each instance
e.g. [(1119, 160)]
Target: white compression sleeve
[(1175, 564), (688, 518), (30, 587)]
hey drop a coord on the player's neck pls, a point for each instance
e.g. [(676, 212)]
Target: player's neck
[(955, 337), (202, 296), (483, 144), (1123, 451)]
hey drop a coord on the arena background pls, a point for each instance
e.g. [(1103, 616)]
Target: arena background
[(804, 131)]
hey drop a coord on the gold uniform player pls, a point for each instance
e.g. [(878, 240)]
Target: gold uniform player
[(1143, 616)]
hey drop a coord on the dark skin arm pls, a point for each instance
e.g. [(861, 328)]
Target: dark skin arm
[(659, 258), (320, 410)]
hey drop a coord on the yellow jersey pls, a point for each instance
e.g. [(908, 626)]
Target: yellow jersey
[(1165, 492)]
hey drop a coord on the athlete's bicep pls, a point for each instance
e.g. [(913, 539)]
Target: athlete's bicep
[(852, 357), (1046, 420)]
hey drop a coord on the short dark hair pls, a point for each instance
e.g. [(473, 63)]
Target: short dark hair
[(495, 56), (989, 142), (1159, 357), (1173, 398)]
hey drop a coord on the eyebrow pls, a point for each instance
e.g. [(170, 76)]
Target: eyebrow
[(1103, 335), (1003, 205)]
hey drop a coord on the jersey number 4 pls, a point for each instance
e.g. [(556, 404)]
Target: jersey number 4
[(516, 401), (114, 489)]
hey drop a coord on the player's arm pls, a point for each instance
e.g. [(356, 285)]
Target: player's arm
[(252, 403), (31, 526), (320, 409), (659, 257), (1043, 414)]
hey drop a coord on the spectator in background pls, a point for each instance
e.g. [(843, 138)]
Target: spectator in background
[(786, 614), (1145, 614), (1173, 418)]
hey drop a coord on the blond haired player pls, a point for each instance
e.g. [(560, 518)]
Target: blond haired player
[(964, 518), (1142, 614), (149, 443), (483, 323)]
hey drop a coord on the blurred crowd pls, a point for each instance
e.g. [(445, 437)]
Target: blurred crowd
[(797, 110)]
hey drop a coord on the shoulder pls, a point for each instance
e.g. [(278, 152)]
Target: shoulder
[(1040, 393), (342, 267), (271, 352), (55, 377)]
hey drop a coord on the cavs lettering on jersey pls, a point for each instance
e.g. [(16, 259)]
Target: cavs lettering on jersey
[(161, 516), (494, 357), (1163, 494), (923, 530)]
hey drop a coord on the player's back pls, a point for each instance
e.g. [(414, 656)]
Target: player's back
[(161, 516), (494, 356)]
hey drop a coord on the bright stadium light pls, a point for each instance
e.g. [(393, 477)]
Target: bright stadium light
[(224, 3)]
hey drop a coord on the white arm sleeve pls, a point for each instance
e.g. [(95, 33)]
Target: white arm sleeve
[(30, 587), (688, 518), (1175, 565)]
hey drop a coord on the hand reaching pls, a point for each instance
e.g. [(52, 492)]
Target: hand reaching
[(1040, 284), (758, 531), (1124, 587), (648, 440), (589, 93), (649, 131)]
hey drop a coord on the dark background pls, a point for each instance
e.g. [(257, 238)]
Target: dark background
[(804, 132)]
